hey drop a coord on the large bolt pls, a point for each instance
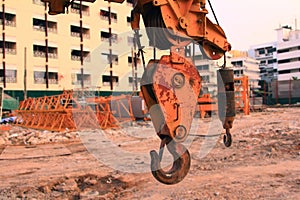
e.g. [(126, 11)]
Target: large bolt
[(180, 133), (178, 80)]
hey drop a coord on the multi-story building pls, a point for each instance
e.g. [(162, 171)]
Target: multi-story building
[(208, 72), (279, 60), (45, 51), (246, 66), (288, 53), (266, 54), (280, 64)]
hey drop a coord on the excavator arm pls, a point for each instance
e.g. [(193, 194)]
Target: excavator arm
[(171, 85)]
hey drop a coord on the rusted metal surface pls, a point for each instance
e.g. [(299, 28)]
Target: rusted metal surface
[(170, 91), (226, 99), (180, 167), (170, 88)]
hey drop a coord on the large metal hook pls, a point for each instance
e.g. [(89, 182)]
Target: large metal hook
[(181, 163)]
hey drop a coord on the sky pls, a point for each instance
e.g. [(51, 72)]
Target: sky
[(251, 22)]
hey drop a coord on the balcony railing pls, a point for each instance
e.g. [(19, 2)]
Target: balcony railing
[(9, 51), (9, 79), (8, 23)]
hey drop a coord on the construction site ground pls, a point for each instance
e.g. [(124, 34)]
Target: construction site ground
[(262, 163)]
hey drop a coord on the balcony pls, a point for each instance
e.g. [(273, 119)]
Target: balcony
[(9, 51), (8, 23)]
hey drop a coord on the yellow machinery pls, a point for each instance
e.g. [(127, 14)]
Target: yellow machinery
[(171, 85)]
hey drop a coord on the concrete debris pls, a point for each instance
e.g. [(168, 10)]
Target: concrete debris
[(23, 136)]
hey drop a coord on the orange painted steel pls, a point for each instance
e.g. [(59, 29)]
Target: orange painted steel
[(66, 112), (113, 110), (55, 113), (206, 105), (242, 100), (170, 85)]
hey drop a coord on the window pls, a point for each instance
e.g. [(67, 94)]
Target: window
[(104, 14), (75, 8), (283, 50), (263, 62), (10, 75), (10, 47), (10, 19), (130, 40), (38, 2), (129, 2), (128, 20), (76, 55), (272, 61), (238, 73), (75, 31), (237, 63), (40, 77), (114, 58), (284, 61), (131, 79), (40, 25), (284, 71), (77, 78), (205, 79), (106, 80), (202, 67), (263, 71), (261, 51), (105, 36), (40, 51), (130, 60), (53, 77), (271, 50)]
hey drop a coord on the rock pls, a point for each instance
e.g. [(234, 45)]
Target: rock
[(33, 140), (89, 194), (90, 181), (216, 193), (271, 149), (2, 141), (13, 135), (68, 185), (45, 189)]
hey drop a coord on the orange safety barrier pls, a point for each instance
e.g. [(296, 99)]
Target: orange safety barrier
[(206, 105), (55, 113), (74, 110), (242, 102), (112, 110)]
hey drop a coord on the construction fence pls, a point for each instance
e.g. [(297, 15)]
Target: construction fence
[(276, 92)]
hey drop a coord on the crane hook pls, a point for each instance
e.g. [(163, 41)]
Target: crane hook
[(181, 163)]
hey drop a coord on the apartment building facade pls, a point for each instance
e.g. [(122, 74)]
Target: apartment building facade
[(208, 72), (288, 53), (280, 65), (42, 53), (266, 54)]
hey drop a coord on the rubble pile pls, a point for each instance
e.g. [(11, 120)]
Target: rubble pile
[(13, 135)]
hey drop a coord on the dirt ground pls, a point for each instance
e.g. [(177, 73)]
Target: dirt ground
[(262, 163)]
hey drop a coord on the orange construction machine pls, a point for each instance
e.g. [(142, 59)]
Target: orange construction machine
[(170, 85)]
